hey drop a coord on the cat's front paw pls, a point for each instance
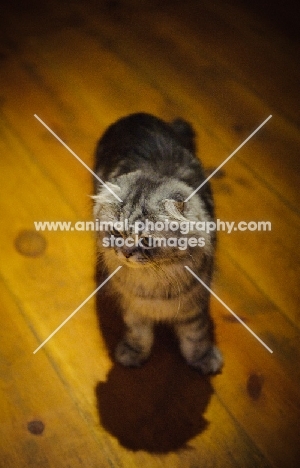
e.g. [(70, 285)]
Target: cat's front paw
[(210, 363), (129, 356)]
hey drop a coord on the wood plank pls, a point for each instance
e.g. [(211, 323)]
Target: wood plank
[(41, 147), (263, 34), (67, 269), (205, 89), (257, 385), (211, 151), (33, 82), (258, 53), (80, 77), (241, 197), (32, 389)]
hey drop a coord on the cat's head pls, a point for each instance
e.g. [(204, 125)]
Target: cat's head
[(152, 223)]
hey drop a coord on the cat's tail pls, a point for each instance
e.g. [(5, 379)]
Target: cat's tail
[(185, 133)]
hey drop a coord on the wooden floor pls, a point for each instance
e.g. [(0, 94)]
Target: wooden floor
[(79, 65)]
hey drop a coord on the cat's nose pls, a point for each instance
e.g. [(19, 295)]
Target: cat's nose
[(127, 252)]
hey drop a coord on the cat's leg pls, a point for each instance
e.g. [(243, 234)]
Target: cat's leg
[(136, 345), (197, 346)]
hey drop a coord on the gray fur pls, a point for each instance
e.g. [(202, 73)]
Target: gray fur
[(134, 156)]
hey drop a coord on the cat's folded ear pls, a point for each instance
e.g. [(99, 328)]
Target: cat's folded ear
[(108, 193), (106, 200), (174, 208)]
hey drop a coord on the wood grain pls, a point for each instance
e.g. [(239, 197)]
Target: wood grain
[(81, 65)]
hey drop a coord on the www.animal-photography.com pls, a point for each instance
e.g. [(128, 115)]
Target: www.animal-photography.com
[(149, 273)]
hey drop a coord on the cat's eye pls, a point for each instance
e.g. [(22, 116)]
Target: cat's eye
[(146, 242), (115, 232)]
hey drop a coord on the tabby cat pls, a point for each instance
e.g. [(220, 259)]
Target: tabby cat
[(151, 166)]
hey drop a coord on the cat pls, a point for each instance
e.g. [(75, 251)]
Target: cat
[(152, 167)]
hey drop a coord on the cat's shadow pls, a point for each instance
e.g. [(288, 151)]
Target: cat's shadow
[(158, 407)]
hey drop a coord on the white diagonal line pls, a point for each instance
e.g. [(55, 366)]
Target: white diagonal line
[(228, 308), (77, 157), (78, 308), (227, 159)]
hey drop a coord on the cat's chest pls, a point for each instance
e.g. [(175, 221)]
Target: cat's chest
[(146, 286), (167, 286), (157, 300)]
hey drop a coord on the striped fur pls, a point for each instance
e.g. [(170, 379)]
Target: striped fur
[(152, 167)]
